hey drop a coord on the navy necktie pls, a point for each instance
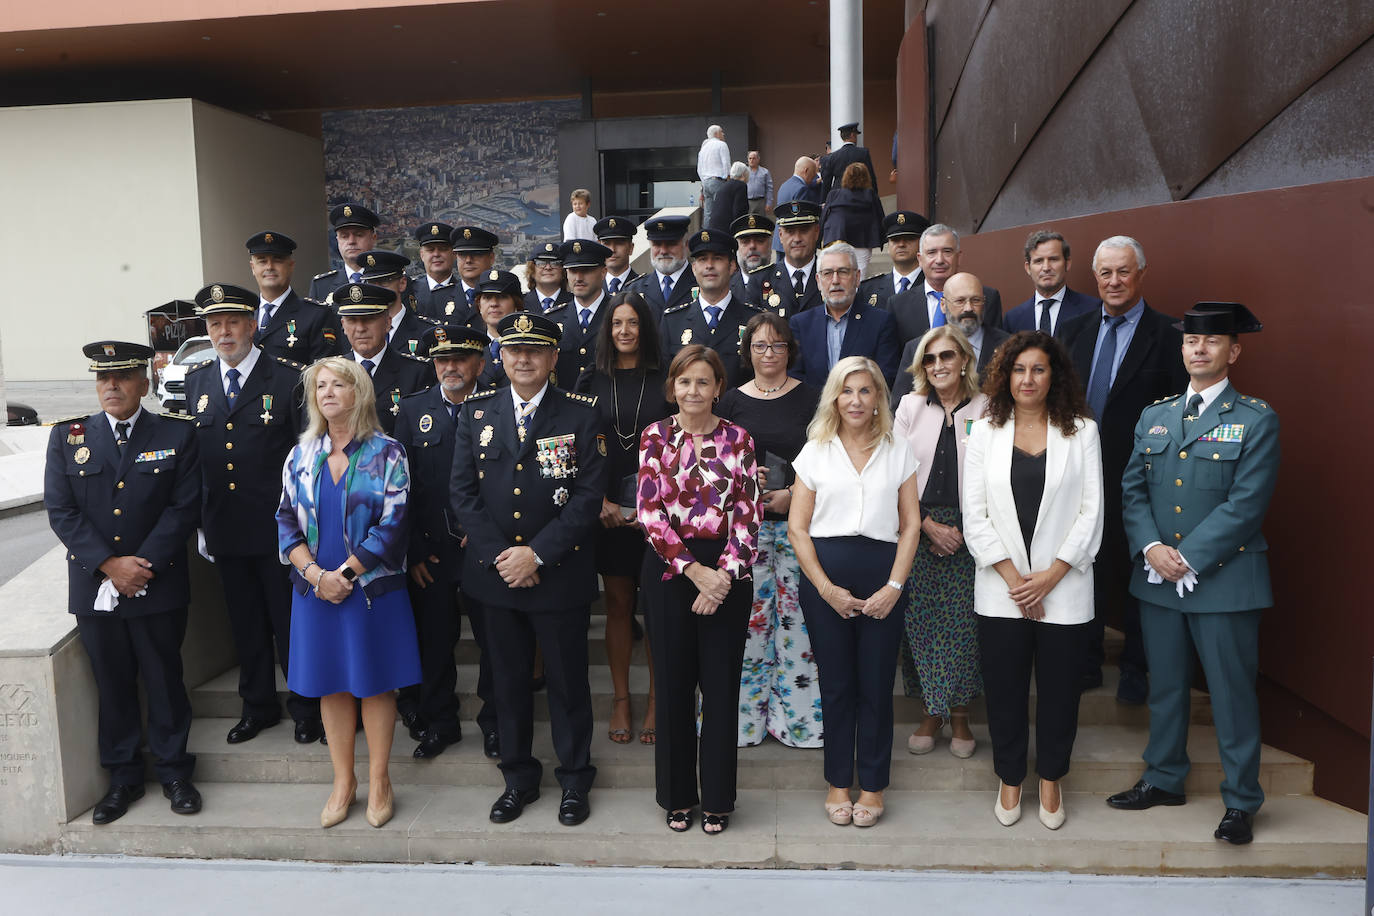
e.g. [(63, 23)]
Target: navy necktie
[(471, 294), (713, 313), (667, 289), (495, 349), (584, 317), (368, 365), (452, 411), (355, 277), (799, 283), (1045, 305), (939, 317), (232, 392), (1101, 383), (547, 303), (522, 420), (903, 286), (614, 285), (266, 317), (122, 434)]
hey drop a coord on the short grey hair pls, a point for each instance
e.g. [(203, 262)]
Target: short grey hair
[(738, 169), (714, 130), (843, 248), (1121, 241), (939, 229)]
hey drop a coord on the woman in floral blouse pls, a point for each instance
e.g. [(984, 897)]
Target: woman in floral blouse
[(699, 506)]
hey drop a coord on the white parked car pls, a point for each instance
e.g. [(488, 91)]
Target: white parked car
[(171, 387)]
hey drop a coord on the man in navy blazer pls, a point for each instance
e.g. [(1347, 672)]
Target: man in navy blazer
[(963, 307), (1054, 305), (843, 327), (918, 310), (1126, 354), (833, 166), (805, 184)]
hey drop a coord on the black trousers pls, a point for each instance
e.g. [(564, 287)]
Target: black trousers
[(1112, 597), (436, 625), (486, 691), (856, 661), (511, 635), (121, 651), (1011, 646), (257, 593), (691, 652)]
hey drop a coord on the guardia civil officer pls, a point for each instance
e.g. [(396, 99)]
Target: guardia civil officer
[(1194, 496), (579, 320), (388, 269), (425, 426), (287, 325), (122, 490), (713, 316), (528, 478), (364, 311), (355, 231), (245, 407)]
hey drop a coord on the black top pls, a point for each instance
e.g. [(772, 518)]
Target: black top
[(624, 414), (777, 425), (1027, 488), (942, 485)]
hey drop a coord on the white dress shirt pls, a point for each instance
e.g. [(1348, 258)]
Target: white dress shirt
[(723, 304), (245, 367), (132, 421), (271, 306), (713, 159), (437, 284), (532, 404), (1054, 302), (805, 269), (850, 502)]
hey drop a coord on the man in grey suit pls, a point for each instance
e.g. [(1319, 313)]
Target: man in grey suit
[(918, 310), (962, 305)]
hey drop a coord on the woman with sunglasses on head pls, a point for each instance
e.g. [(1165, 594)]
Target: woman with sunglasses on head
[(779, 691), (940, 649)]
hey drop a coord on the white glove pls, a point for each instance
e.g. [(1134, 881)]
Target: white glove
[(108, 596), (200, 545), (1188, 582)]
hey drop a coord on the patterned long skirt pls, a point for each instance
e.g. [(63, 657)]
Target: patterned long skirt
[(940, 647), (779, 693)]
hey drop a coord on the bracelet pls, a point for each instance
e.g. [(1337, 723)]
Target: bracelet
[(306, 568), (319, 579), (893, 583)]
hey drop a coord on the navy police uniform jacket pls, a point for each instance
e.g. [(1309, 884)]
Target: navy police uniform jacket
[(576, 348), (445, 303), (771, 287), (242, 449), (145, 503), (544, 493), (649, 286), (686, 324), (426, 430), (397, 374), (302, 331)]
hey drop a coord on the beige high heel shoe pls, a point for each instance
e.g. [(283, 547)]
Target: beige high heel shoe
[(378, 817), (1006, 816), (331, 816), (1052, 819)]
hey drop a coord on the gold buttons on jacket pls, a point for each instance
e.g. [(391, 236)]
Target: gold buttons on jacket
[(1242, 548), (1183, 454), (519, 539), (229, 466), (232, 485), (516, 515), (1177, 509), (1147, 450), (120, 485), (119, 512), (582, 352), (228, 425), (229, 445), (517, 491), (519, 467), (117, 540), (1216, 456), (1177, 536), (1178, 481)]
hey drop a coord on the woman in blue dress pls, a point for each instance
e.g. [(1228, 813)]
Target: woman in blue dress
[(341, 526)]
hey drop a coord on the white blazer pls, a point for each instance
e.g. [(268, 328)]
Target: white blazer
[(1068, 526)]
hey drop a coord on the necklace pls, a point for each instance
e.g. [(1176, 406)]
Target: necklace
[(763, 390), (627, 441)]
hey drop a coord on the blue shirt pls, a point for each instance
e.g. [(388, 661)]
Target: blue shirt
[(835, 329), (760, 183), (1123, 337)]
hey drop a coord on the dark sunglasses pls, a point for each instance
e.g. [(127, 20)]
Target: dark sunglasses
[(944, 356)]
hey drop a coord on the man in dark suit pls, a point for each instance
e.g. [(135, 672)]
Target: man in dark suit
[(122, 492), (579, 321), (789, 286), (805, 184), (833, 166), (844, 327), (425, 426), (439, 293), (753, 234), (963, 307), (474, 250), (731, 200), (288, 326), (670, 282), (355, 231), (1126, 354), (387, 269), (902, 230), (618, 234), (363, 309), (714, 318), (1054, 305), (245, 405), (528, 479), (918, 309)]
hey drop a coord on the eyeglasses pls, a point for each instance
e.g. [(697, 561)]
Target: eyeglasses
[(844, 273), (975, 301), (779, 347), (944, 356)]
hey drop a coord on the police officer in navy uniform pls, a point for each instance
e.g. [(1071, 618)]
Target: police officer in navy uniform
[(474, 251), (245, 406), (122, 492), (579, 320), (539, 300), (713, 316), (670, 282), (388, 269), (618, 234), (789, 285), (902, 229), (364, 311), (425, 427), (528, 477), (355, 231), (1194, 496), (498, 295), (287, 325), (439, 291), (753, 234)]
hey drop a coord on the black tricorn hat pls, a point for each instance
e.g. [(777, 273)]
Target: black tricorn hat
[(1219, 318)]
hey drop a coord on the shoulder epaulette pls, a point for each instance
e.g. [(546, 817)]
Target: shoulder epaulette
[(327, 273), (588, 399), (200, 365), (478, 395), (413, 396), (557, 305), (412, 357), (75, 419), (1167, 397), (676, 308), (171, 415), (752, 305), (291, 363), (1255, 402), (762, 267), (315, 302)]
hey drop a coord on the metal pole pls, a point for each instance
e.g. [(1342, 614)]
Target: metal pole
[(846, 65)]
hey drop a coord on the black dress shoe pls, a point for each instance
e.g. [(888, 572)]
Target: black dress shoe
[(308, 731), (411, 720), (116, 803), (1235, 827), (432, 744), (491, 745), (1142, 795), (185, 797), (1133, 689), (247, 729), (574, 808), (512, 804)]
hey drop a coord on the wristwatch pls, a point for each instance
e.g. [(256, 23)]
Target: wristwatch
[(348, 573)]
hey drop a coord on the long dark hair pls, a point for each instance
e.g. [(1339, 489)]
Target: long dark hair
[(648, 356), (1065, 402)]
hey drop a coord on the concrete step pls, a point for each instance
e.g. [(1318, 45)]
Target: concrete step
[(1106, 759), (1295, 835), (218, 698)]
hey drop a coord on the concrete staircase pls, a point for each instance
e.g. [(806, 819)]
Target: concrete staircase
[(263, 798)]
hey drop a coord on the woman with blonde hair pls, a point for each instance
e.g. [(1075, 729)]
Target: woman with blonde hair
[(940, 642), (342, 527), (854, 523)]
